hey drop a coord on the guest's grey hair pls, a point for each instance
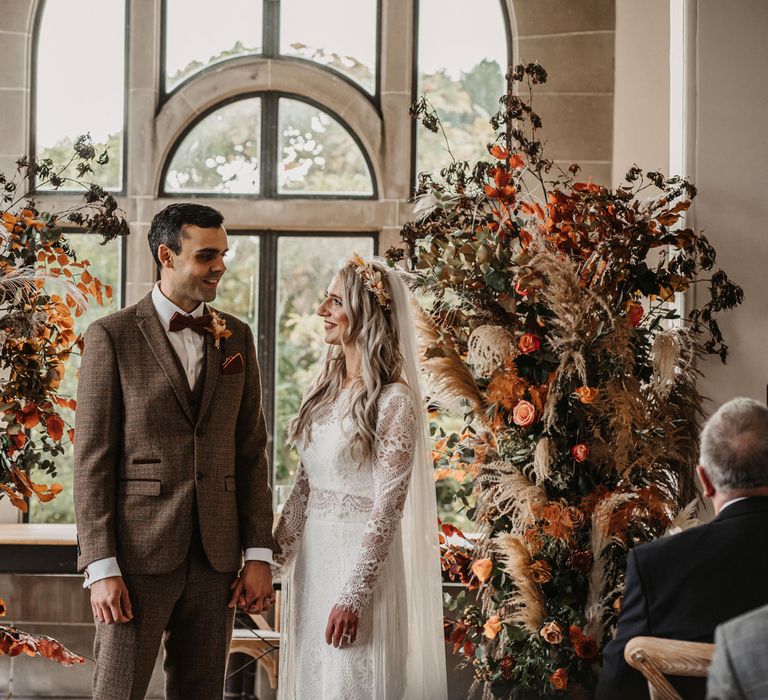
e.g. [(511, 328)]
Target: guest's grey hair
[(734, 445)]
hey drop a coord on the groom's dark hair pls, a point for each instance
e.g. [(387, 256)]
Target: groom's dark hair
[(167, 226)]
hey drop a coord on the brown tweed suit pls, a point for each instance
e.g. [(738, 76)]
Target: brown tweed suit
[(175, 489)]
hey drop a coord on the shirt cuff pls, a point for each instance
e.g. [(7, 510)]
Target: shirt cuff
[(99, 569), (259, 554)]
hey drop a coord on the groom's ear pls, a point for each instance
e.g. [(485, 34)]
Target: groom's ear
[(165, 256)]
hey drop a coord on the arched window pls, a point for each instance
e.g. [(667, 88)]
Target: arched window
[(81, 88), (314, 30), (197, 35), (269, 145), (462, 77)]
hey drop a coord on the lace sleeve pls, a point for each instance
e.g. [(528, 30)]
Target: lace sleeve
[(392, 462), (290, 525)]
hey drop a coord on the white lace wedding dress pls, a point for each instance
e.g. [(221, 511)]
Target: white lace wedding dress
[(339, 531)]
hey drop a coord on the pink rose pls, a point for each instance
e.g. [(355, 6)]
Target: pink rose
[(524, 413), (580, 452), (528, 343)]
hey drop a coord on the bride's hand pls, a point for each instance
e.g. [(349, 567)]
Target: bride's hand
[(342, 627)]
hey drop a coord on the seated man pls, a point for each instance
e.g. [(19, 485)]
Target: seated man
[(682, 587), (739, 670)]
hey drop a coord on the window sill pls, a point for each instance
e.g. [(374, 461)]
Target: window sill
[(38, 548)]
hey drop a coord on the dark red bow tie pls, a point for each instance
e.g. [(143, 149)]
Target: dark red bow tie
[(181, 321)]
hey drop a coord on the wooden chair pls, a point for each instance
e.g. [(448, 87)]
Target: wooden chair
[(657, 658), (261, 642)]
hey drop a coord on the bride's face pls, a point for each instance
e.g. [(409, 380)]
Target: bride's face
[(332, 312)]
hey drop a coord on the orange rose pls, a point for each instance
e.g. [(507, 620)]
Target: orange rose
[(580, 452), (552, 633), (528, 343), (524, 413), (635, 313), (587, 394), (492, 627), (572, 517), (540, 571), (482, 569), (559, 679)]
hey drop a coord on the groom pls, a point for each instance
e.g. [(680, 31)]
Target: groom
[(171, 478)]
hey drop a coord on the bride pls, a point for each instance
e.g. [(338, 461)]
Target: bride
[(362, 602)]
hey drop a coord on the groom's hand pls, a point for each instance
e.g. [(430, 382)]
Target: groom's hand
[(252, 591), (110, 601)]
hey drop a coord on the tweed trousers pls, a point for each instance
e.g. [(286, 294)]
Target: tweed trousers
[(187, 610)]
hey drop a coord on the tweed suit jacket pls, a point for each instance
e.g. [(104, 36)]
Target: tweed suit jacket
[(739, 669), (145, 459)]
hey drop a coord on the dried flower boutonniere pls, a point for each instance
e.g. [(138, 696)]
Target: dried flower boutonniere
[(218, 329)]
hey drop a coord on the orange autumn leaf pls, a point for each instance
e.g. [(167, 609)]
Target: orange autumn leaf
[(46, 493), (62, 259), (499, 152), (31, 417), (55, 426), (108, 291), (86, 277), (18, 440), (15, 498), (71, 433), (516, 161)]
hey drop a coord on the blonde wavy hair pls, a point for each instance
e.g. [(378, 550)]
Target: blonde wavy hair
[(373, 330)]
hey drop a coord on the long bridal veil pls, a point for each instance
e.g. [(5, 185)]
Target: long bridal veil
[(425, 673)]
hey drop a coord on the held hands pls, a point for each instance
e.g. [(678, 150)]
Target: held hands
[(110, 601), (252, 591), (342, 627)]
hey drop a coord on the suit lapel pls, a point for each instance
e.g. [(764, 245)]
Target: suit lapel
[(156, 338), (212, 370)]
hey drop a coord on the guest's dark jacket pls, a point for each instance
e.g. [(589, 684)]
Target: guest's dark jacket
[(683, 586)]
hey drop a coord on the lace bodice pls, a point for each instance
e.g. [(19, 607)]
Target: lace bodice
[(331, 483)]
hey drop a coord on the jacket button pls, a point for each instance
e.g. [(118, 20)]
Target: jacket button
[(199, 476)]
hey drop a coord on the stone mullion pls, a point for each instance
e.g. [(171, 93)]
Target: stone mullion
[(397, 30), (143, 94)]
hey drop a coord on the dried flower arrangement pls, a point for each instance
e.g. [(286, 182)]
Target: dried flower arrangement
[(43, 286), (553, 326)]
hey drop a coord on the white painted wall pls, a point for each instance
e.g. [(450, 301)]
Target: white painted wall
[(730, 149), (641, 107)]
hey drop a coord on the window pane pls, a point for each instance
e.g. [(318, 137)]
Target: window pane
[(462, 62), (239, 288), (317, 155), (221, 153), (81, 89), (199, 34), (105, 264), (306, 265), (313, 30)]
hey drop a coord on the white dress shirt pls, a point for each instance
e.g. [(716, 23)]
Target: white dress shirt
[(189, 347)]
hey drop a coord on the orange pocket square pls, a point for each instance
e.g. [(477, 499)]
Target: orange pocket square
[(233, 364)]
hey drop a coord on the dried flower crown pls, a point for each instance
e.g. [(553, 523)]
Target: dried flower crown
[(373, 280)]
